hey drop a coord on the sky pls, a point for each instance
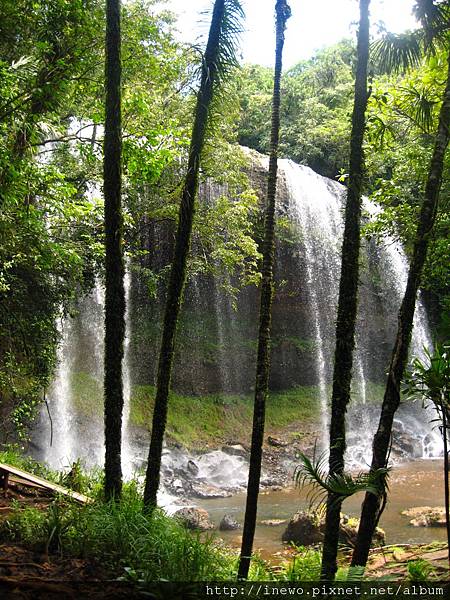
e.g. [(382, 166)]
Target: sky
[(314, 24)]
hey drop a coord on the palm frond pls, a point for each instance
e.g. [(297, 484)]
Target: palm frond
[(419, 107), (434, 17), (231, 28), (429, 379), (339, 485), (397, 52)]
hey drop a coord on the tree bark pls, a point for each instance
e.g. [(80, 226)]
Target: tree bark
[(348, 296), (182, 243), (391, 400), (445, 426), (263, 357), (114, 264)]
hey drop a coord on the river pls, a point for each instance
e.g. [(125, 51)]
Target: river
[(417, 483)]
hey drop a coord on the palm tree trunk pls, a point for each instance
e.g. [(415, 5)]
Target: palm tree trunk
[(445, 425), (348, 294), (263, 358), (182, 243), (114, 265), (391, 400)]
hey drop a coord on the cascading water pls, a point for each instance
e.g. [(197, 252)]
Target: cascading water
[(59, 409), (68, 434), (78, 384), (128, 463), (219, 343), (316, 207)]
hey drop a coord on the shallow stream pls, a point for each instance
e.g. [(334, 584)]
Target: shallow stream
[(418, 483)]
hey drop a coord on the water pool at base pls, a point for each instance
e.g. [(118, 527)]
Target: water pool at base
[(418, 483)]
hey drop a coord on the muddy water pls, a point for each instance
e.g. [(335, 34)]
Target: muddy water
[(418, 483)]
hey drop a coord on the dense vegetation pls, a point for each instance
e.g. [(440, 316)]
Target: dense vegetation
[(54, 140), (51, 163)]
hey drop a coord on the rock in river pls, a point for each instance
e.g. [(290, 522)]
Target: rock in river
[(194, 518), (307, 528), (200, 489), (235, 450), (426, 516), (229, 523)]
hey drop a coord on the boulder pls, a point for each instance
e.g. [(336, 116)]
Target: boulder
[(176, 487), (307, 528), (229, 523), (194, 518), (275, 442), (273, 522), (426, 516), (192, 468), (205, 490), (235, 450), (304, 529)]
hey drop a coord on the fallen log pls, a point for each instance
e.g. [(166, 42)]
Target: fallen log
[(33, 480)]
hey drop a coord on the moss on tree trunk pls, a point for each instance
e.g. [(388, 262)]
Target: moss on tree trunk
[(114, 265), (263, 356), (348, 295), (372, 505)]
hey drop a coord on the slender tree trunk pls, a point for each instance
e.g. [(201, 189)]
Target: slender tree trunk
[(348, 295), (446, 468), (391, 400), (182, 243), (263, 358), (114, 265)]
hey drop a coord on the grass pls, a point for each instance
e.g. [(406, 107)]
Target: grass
[(133, 545), (199, 421), (202, 421), (87, 394), (122, 538)]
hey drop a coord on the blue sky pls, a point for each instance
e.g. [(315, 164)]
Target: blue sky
[(314, 24)]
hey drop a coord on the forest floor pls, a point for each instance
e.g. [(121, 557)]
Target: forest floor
[(393, 560), (30, 573)]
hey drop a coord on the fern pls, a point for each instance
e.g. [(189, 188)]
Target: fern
[(339, 485)]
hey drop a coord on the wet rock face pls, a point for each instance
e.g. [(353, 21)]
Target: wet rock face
[(308, 528), (229, 523), (216, 344), (194, 518), (426, 516), (235, 450)]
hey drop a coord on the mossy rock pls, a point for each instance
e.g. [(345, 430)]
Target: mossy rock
[(307, 528)]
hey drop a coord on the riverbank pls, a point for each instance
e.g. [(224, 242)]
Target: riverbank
[(43, 538)]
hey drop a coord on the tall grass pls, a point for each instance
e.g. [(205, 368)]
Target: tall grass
[(123, 539)]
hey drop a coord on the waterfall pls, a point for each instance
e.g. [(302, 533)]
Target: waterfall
[(68, 433), (218, 342), (79, 382), (58, 414), (127, 452), (316, 209)]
